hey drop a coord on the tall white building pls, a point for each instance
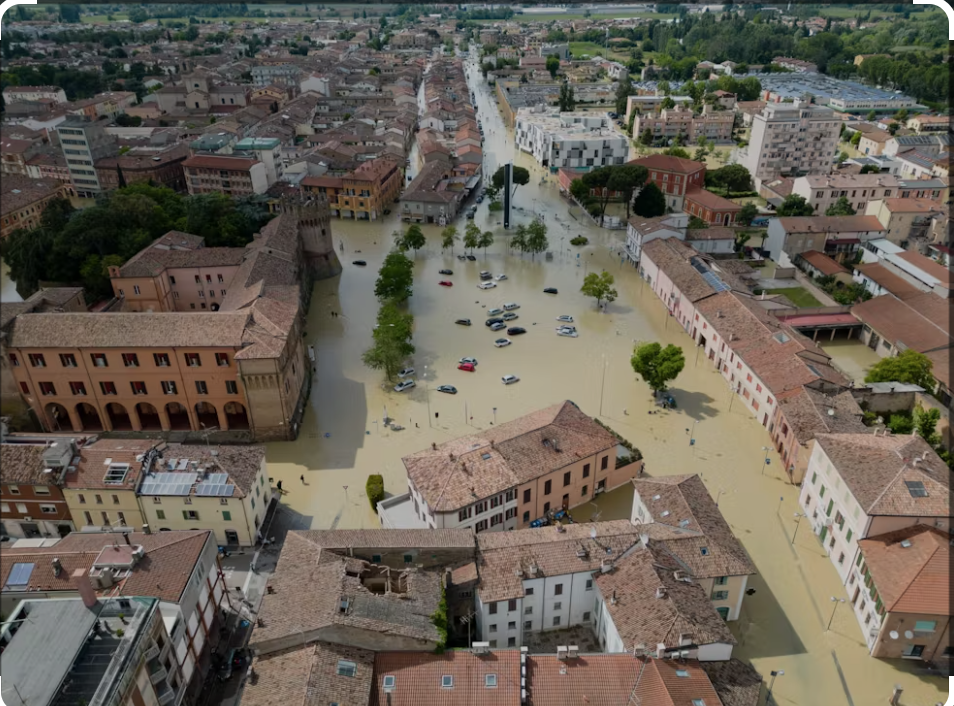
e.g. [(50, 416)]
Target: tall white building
[(574, 140), (791, 139)]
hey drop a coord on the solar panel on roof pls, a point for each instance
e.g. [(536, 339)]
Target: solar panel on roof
[(20, 574)]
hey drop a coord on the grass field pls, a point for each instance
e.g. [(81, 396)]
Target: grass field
[(798, 296)]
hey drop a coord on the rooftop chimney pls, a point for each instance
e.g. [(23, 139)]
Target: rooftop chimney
[(81, 580), (57, 567)]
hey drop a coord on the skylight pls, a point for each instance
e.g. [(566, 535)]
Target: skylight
[(490, 681), (683, 523), (916, 488), (116, 474), (780, 337), (19, 577), (447, 681), (486, 457), (665, 513), (704, 551), (682, 673)]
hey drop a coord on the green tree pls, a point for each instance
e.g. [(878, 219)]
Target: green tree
[(395, 278), (519, 239), (658, 366), (668, 103), (893, 128), (909, 367), (391, 340), (841, 207), (449, 237), (567, 99), (855, 139), (734, 178), (411, 239), (925, 422), (520, 177), (536, 238), (471, 236), (748, 213), (795, 205), (872, 116), (676, 151), (485, 241), (870, 169), (553, 66), (599, 286), (650, 202), (695, 223), (842, 157), (646, 138), (624, 89)]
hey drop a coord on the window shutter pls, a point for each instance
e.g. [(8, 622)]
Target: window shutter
[(185, 515)]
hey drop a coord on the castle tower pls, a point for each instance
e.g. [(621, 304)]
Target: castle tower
[(314, 225)]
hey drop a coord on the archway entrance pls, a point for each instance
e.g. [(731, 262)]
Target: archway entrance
[(206, 415), (237, 416), (178, 417), (118, 417), (148, 417), (57, 418), (89, 417)]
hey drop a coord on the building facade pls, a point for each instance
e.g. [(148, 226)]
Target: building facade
[(790, 139), (674, 176), (232, 176), (32, 502), (83, 144)]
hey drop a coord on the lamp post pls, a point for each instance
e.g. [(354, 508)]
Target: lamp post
[(719, 496), (427, 396), (602, 385), (692, 435), (495, 415), (798, 521), (765, 461), (779, 673), (836, 601)]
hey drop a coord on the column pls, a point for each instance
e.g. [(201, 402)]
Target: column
[(223, 417), (164, 418), (134, 421), (74, 419)]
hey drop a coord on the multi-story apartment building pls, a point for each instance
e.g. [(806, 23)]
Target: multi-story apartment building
[(176, 273), (218, 174), (275, 74), (511, 475), (574, 140), (29, 94), (670, 123), (906, 221), (16, 156), (644, 104), (83, 144), (32, 502), (266, 150), (100, 487), (679, 513), (24, 199), (102, 105), (363, 194), (111, 651), (180, 569), (789, 139), (821, 191), (861, 486), (839, 237), (674, 176)]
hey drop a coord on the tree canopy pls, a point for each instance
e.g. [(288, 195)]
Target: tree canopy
[(650, 202), (908, 367), (395, 278), (599, 286), (656, 365), (391, 339), (841, 207), (795, 205)]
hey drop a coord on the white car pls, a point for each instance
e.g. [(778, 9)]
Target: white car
[(500, 278), (407, 372), (494, 312), (501, 342), (405, 385), (510, 306), (567, 331), (486, 285), (565, 318), (472, 361), (510, 379)]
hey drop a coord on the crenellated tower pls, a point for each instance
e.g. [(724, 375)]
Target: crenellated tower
[(314, 225)]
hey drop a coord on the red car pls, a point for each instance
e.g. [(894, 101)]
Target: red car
[(445, 283), (469, 367)]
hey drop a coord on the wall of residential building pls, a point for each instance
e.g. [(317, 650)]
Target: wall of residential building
[(784, 246), (119, 504), (94, 380), (859, 197), (726, 594), (43, 504), (241, 183), (935, 643), (29, 215), (275, 388), (605, 628), (177, 289), (586, 476), (791, 141)]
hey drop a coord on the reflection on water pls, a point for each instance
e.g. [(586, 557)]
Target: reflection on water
[(852, 357), (8, 288)]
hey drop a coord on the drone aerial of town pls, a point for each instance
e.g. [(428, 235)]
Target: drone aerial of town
[(489, 354)]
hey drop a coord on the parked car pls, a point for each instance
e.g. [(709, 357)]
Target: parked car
[(469, 367), (468, 359), (515, 331), (480, 199), (446, 283), (497, 326), (472, 258), (567, 331), (565, 318), (550, 290), (463, 322), (449, 389), (500, 277), (359, 263), (509, 316), (492, 321), (406, 372), (405, 385), (485, 275), (510, 306), (446, 272), (486, 285), (502, 342), (470, 215), (494, 312), (461, 257), (510, 379)]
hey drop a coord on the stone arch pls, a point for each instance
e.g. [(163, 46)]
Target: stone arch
[(148, 417), (119, 418), (89, 417), (206, 414), (236, 415), (178, 417), (57, 417)]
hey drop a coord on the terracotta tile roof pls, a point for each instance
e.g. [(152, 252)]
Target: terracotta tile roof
[(806, 411), (392, 538), (590, 680), (23, 463), (876, 469), (163, 255), (310, 582), (643, 619), (125, 330), (163, 572), (20, 191), (697, 523), (674, 683), (418, 678), (673, 257), (909, 205), (914, 578), (830, 224), (717, 233), (552, 552), (897, 321), (884, 277), (664, 162), (712, 201), (308, 676), (229, 164), (736, 683), (456, 473), (927, 265), (821, 262)]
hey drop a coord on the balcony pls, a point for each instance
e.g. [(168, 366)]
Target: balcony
[(151, 653), (167, 697), (157, 673)]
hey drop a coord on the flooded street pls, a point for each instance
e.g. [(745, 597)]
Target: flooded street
[(852, 357)]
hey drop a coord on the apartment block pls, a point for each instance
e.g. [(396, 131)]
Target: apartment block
[(83, 144), (24, 199), (362, 194), (790, 139), (31, 94), (674, 176), (670, 123), (232, 176), (275, 74), (33, 502), (573, 140)]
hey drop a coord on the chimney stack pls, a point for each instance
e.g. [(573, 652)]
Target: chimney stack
[(84, 587)]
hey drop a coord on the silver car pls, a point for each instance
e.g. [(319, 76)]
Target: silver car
[(404, 385), (510, 379)]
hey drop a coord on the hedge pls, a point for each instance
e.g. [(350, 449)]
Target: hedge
[(375, 490)]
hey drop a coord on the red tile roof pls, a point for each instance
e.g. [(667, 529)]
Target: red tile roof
[(418, 679), (821, 262), (674, 683), (590, 680), (666, 163), (711, 201)]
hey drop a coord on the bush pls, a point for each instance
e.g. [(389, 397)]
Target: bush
[(579, 240), (495, 206), (375, 490)]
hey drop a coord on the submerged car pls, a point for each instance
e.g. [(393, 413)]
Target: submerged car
[(359, 263), (510, 306), (565, 318), (568, 331), (492, 321), (501, 277), (468, 359), (494, 312), (498, 325), (486, 285), (550, 290), (515, 331), (502, 342), (510, 379), (469, 367), (463, 322), (446, 283), (406, 372), (446, 272), (509, 316), (449, 389), (472, 258), (405, 385), (484, 274)]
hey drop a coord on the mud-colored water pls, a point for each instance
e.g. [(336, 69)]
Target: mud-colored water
[(852, 357)]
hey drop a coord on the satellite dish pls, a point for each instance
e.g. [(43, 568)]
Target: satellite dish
[(893, 634), (908, 634), (593, 532), (831, 412)]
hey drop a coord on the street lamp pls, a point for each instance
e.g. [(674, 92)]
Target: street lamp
[(495, 415), (836, 601), (765, 462), (798, 521), (779, 673)]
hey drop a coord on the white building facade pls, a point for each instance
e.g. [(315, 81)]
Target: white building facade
[(571, 140), (790, 139)]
